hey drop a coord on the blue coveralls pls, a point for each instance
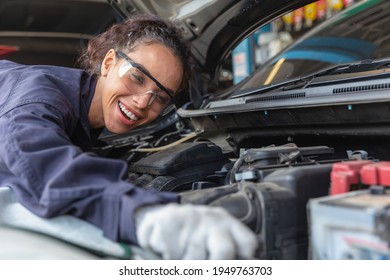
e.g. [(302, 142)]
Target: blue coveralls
[(44, 141)]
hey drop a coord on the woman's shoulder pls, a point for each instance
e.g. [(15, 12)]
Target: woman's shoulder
[(19, 72), (54, 85)]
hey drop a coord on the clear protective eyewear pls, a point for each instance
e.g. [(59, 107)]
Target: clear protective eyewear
[(135, 77)]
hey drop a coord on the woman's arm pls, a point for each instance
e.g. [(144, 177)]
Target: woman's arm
[(52, 177)]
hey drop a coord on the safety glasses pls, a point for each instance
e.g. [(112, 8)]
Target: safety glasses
[(136, 79)]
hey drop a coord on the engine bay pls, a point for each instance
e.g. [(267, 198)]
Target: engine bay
[(267, 187)]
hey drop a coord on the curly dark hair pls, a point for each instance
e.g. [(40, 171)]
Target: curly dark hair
[(138, 29)]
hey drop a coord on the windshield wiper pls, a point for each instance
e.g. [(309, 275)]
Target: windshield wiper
[(304, 81), (359, 66)]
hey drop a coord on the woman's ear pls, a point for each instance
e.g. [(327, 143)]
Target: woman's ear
[(108, 61)]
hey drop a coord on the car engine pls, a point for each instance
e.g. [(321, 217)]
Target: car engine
[(267, 187)]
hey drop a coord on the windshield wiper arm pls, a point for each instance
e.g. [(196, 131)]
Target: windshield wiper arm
[(359, 66), (304, 81)]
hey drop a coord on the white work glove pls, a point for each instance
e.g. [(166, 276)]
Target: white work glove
[(193, 232)]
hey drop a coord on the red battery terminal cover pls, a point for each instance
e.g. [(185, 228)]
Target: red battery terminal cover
[(352, 175), (377, 173), (346, 175)]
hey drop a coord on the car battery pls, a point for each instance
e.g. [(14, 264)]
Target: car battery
[(353, 224)]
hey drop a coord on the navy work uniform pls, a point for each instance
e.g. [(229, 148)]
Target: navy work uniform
[(45, 139)]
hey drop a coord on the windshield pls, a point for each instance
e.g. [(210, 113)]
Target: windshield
[(359, 33)]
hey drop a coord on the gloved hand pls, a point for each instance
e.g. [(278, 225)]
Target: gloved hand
[(193, 232)]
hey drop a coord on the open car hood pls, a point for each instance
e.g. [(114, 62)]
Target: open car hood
[(214, 27)]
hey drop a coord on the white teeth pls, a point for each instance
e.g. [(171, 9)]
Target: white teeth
[(129, 114)]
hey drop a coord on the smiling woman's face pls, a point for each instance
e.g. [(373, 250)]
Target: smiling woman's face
[(122, 100)]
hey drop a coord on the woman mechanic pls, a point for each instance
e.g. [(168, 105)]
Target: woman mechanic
[(50, 116)]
